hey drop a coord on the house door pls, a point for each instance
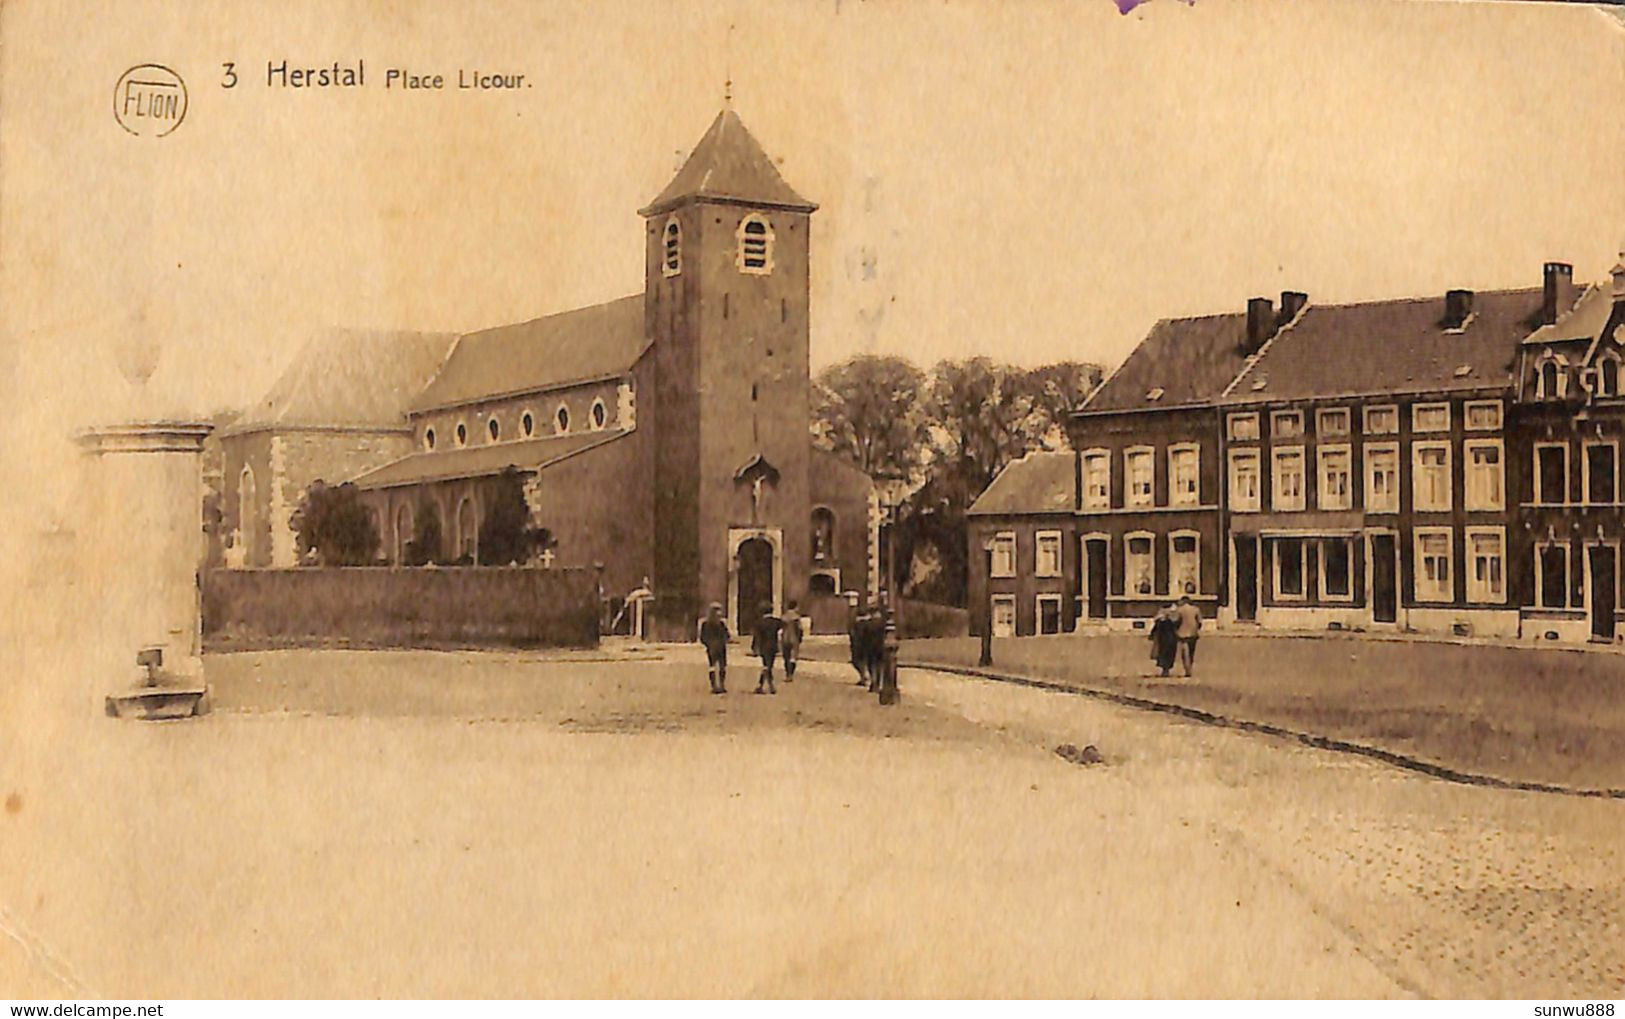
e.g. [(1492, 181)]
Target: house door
[(1246, 577), (1603, 591), (755, 582), (1094, 554), (1384, 579)]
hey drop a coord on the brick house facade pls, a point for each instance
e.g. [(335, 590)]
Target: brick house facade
[(1440, 465)]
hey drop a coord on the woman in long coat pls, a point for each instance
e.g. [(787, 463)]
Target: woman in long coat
[(1165, 638)]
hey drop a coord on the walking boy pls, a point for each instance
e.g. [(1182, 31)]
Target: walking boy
[(714, 636), (765, 643), (790, 641)]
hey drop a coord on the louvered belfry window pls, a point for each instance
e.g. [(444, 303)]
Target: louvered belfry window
[(755, 246)]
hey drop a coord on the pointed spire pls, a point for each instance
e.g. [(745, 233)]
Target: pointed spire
[(729, 165)]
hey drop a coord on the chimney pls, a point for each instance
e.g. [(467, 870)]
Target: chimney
[(1292, 302), (1458, 304), (1558, 291), (1260, 323)]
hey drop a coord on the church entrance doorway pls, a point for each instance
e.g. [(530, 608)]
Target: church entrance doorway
[(755, 581)]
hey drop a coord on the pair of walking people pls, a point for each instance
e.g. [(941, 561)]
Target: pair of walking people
[(771, 637), (1174, 632)]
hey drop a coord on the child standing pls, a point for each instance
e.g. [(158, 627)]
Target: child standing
[(790, 641), (765, 642), (714, 636)]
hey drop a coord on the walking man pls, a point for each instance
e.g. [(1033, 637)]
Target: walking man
[(790, 641), (854, 635), (1190, 627), (765, 643), (714, 636)]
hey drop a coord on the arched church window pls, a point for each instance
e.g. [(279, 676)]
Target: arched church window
[(755, 245), (462, 434), (527, 423), (672, 249), (561, 419), (428, 438), (494, 428), (600, 414)]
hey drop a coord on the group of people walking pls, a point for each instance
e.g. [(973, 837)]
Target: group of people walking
[(771, 638), (775, 637)]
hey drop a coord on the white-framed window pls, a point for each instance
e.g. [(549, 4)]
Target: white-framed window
[(1286, 482), (561, 420), (1607, 374), (1486, 474), (1486, 565), (755, 245), (1047, 612), (493, 428), (1551, 376), (1243, 427), (1382, 420), (1004, 554), (1004, 615), (1433, 558), (1382, 477), (428, 438), (1184, 563), (1430, 477), (1140, 470), (1430, 417), (1332, 422), (1184, 474), (1552, 574), (1047, 554), (527, 423), (1286, 424), (1336, 477), (671, 253), (1288, 571), (1336, 569), (1483, 416), (1551, 473), (1244, 477), (1139, 565), (1097, 479), (1600, 483), (462, 434), (599, 414)]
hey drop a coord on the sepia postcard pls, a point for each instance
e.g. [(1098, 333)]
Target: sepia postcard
[(812, 499)]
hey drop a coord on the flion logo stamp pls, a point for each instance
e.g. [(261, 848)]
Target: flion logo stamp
[(149, 100)]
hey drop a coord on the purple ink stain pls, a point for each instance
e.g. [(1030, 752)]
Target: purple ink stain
[(1124, 6)]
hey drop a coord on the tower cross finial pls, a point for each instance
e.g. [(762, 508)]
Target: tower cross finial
[(727, 68)]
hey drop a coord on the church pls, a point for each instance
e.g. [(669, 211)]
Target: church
[(660, 437)]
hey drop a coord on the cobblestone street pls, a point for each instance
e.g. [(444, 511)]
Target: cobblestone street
[(477, 824)]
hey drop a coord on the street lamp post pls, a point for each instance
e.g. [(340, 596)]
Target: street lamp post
[(985, 659)]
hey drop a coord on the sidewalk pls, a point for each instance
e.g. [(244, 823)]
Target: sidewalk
[(1518, 717)]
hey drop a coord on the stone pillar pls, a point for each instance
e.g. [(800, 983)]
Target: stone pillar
[(146, 547)]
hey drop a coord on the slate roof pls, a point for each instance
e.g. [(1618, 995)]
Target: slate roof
[(1582, 322), (1391, 347), (477, 461), (544, 353), (1190, 360), (1037, 483), (349, 378), (728, 164)]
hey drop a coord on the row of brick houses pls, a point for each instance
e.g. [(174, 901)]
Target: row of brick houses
[(1447, 465)]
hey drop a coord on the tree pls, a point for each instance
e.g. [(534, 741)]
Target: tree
[(506, 534), (1053, 392), (424, 548), (870, 410), (332, 520)]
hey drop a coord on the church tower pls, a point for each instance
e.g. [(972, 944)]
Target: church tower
[(726, 304)]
